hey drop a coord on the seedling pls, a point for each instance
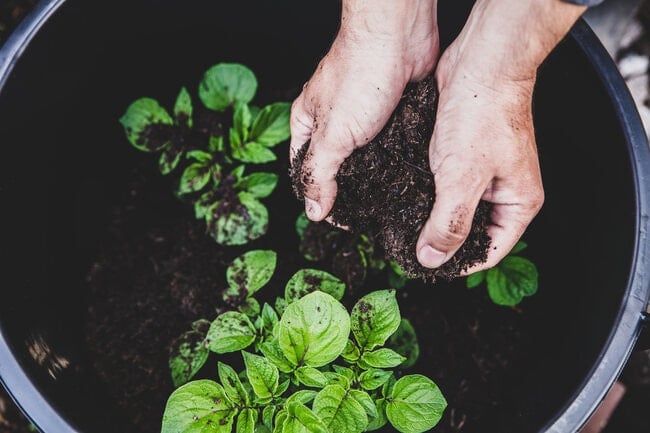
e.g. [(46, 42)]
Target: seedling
[(212, 145), (310, 367), (511, 280)]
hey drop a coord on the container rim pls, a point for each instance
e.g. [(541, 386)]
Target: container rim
[(622, 339)]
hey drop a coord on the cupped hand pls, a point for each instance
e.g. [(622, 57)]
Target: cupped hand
[(380, 47)]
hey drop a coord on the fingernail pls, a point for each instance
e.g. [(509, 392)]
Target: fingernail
[(312, 208), (431, 257)]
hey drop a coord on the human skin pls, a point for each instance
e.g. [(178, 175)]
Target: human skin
[(483, 143)]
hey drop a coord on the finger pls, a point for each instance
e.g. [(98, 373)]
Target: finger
[(450, 221), (301, 124)]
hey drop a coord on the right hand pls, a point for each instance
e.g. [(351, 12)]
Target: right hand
[(380, 47)]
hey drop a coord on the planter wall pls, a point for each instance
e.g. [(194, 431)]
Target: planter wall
[(71, 69)]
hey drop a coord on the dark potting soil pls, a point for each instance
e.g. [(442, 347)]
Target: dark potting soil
[(158, 271), (386, 187)]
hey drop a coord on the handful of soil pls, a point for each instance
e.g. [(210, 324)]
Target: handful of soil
[(387, 189)]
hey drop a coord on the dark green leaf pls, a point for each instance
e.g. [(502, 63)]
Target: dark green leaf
[(314, 330), (301, 225), (169, 159), (415, 404), (189, 354), (262, 375), (198, 407), (475, 279), (232, 385), (339, 410), (230, 332), (405, 342), (519, 247), (269, 318), (375, 317), (250, 307), (259, 185), (183, 108), (306, 281), (140, 116), (227, 83), (204, 203), (271, 126), (512, 280), (194, 178)]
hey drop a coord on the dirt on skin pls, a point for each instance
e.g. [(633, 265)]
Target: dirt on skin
[(386, 188)]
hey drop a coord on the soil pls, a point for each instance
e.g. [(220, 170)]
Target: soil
[(386, 188)]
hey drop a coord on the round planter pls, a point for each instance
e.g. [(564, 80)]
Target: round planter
[(72, 67)]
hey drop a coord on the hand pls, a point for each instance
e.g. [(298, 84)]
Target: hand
[(381, 46), (483, 144)]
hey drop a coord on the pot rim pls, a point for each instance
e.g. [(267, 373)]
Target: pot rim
[(630, 317)]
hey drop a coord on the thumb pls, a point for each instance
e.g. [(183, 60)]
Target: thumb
[(448, 224)]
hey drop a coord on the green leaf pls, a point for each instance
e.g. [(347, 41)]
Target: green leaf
[(169, 159), (183, 108), (197, 407), (262, 375), (511, 280), (519, 247), (383, 358), (339, 410), (194, 178), (216, 144), (366, 402), (251, 152), (140, 117), (303, 396), (351, 353), (415, 404), (269, 318), (271, 349), (199, 156), (311, 376), (267, 416), (259, 185), (374, 378), (280, 419), (301, 419), (246, 421), (242, 120), (203, 205), (250, 307), (344, 371), (301, 225), (475, 279), (374, 318), (230, 332), (380, 420), (246, 222), (339, 379), (314, 330), (257, 216), (225, 84), (189, 354), (306, 281), (271, 126), (251, 271), (280, 305), (232, 385), (404, 341)]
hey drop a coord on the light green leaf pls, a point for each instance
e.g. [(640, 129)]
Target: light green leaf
[(280, 419), (511, 280), (251, 271), (282, 388), (301, 419), (183, 108), (339, 379), (269, 318), (303, 396), (383, 358), (351, 353), (313, 330), (199, 156), (140, 117), (280, 305), (380, 420), (311, 376), (339, 410), (194, 178), (374, 378), (216, 144), (169, 159), (366, 402), (262, 375), (344, 371), (198, 407), (188, 355), (204, 204), (242, 120), (271, 349), (251, 152), (415, 404), (232, 385), (271, 126), (259, 185), (246, 421), (375, 317), (230, 332), (306, 281), (244, 223), (405, 342), (227, 83), (475, 279), (238, 172), (267, 415)]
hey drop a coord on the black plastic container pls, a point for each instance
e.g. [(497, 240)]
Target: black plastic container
[(72, 67)]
